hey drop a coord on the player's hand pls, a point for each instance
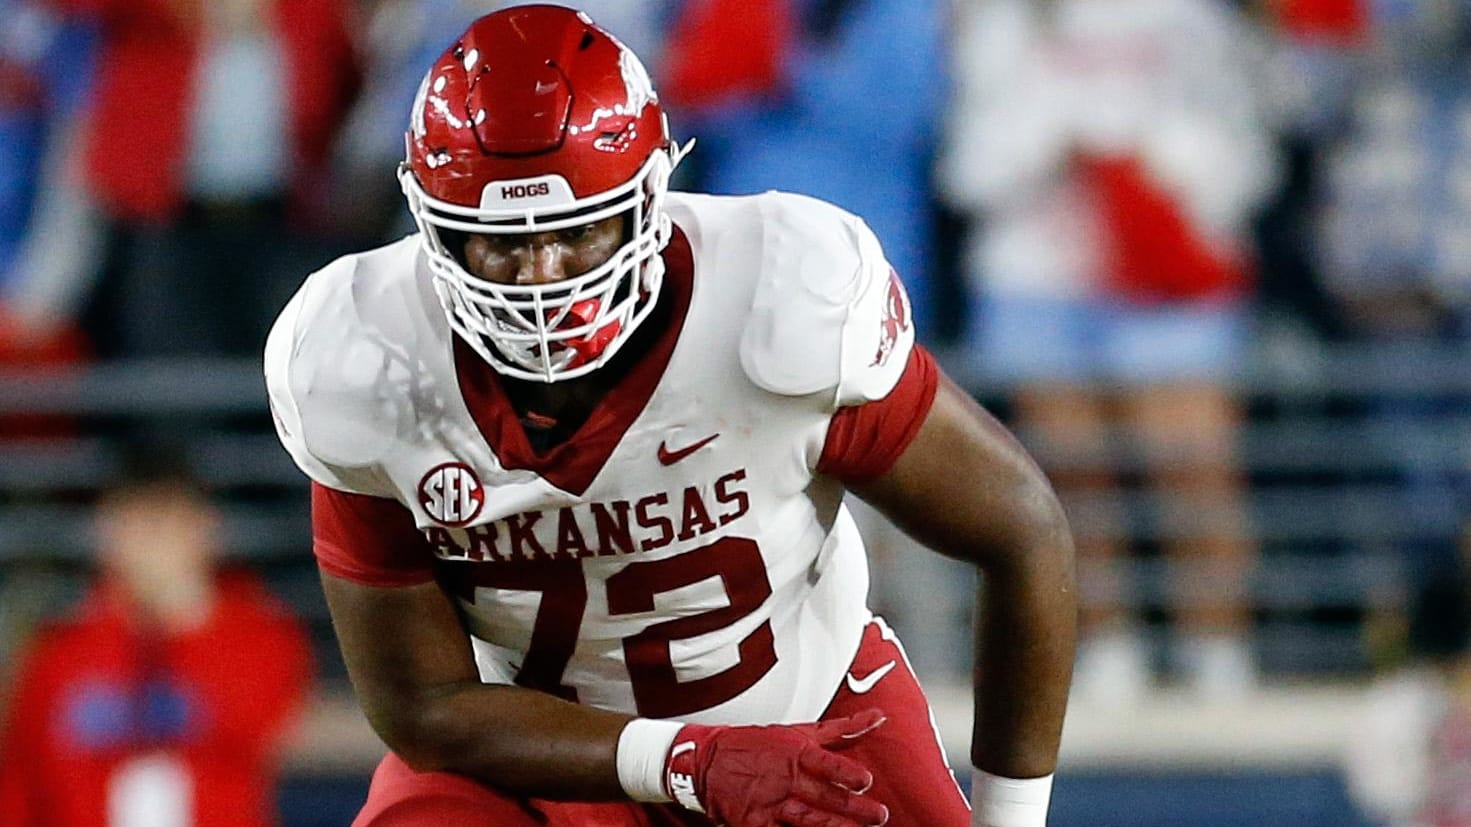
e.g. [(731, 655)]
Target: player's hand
[(757, 776)]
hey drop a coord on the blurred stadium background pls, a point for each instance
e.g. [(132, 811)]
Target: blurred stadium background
[(1306, 162)]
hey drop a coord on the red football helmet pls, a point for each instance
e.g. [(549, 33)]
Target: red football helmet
[(536, 120)]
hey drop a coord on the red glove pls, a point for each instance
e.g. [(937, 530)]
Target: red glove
[(757, 776)]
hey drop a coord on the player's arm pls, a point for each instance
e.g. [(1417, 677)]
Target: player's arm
[(924, 453), (411, 665), (964, 487)]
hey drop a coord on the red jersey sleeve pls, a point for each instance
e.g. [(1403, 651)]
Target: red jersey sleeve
[(368, 540), (864, 441)]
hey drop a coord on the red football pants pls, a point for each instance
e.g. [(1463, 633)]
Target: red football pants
[(911, 774)]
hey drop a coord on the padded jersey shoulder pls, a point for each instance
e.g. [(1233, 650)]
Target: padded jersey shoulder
[(346, 362), (827, 314)]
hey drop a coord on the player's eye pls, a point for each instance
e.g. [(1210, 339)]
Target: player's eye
[(576, 233)]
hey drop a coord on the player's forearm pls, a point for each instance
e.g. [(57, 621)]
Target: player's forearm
[(1024, 654), (520, 741), (411, 665)]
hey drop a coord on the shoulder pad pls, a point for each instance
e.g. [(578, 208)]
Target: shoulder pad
[(334, 360), (829, 316)]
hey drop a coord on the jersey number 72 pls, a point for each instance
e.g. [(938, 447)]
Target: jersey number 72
[(657, 689)]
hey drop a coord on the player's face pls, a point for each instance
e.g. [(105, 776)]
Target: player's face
[(543, 258)]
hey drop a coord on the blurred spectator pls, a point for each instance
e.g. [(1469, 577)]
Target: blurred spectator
[(1395, 235), (1317, 61), (21, 98), (396, 40), (1393, 244), (206, 147), (164, 699), (840, 100), (1112, 153), (790, 95), (45, 71), (1408, 761)]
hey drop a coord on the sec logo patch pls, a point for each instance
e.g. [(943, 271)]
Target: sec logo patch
[(451, 494)]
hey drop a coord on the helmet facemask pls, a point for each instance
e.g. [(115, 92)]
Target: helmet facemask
[(564, 329)]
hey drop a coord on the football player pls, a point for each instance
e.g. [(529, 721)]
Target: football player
[(578, 451)]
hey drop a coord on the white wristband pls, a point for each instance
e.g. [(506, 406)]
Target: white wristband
[(1009, 802), (643, 745)]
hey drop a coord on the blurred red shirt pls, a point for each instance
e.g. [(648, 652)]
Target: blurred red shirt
[(144, 97), (105, 712)]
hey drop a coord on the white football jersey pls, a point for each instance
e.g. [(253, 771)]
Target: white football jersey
[(680, 556)]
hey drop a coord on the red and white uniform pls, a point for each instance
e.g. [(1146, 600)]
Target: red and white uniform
[(686, 553)]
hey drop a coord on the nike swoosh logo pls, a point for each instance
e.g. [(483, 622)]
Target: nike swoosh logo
[(861, 686), (668, 457)]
